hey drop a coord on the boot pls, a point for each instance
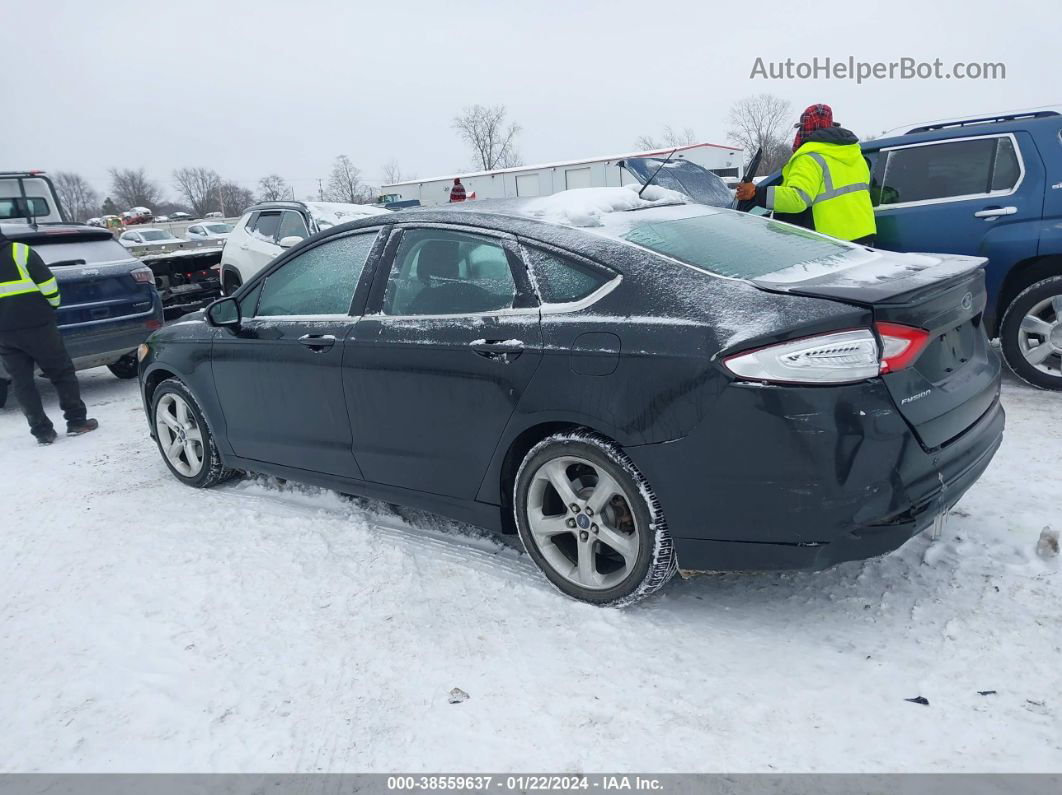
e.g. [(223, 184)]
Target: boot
[(81, 426), (46, 437)]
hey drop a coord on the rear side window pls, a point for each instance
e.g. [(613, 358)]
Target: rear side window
[(438, 272), (292, 224), (948, 170), (320, 281), (266, 226), (561, 279), (736, 244)]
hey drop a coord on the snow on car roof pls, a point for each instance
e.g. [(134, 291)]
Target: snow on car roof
[(588, 207), (336, 213)]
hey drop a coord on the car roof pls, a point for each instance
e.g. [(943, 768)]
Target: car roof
[(512, 216), (965, 129)]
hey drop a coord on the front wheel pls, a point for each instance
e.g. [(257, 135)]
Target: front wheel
[(124, 368), (184, 438), (590, 521), (1031, 334)]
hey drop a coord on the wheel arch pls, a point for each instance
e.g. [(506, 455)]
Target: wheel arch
[(229, 270), (514, 455), (1022, 275), (152, 380)]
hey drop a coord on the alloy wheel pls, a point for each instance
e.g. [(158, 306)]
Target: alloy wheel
[(1040, 336), (582, 522), (179, 434)]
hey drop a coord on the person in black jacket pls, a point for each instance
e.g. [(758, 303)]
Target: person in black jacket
[(29, 338)]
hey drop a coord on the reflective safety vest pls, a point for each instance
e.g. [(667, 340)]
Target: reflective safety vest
[(25, 283), (832, 179)]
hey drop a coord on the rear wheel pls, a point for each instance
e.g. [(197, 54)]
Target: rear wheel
[(125, 367), (184, 438), (590, 521), (1031, 334)]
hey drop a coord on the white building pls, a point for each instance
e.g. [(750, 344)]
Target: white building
[(547, 178)]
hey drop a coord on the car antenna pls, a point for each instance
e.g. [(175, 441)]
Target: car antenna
[(646, 185)]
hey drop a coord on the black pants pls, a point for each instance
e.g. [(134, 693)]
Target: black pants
[(41, 346)]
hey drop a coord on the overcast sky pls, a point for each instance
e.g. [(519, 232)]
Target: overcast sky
[(250, 88)]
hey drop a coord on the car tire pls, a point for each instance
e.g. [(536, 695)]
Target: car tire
[(192, 456), (605, 541), (125, 368), (1031, 334)]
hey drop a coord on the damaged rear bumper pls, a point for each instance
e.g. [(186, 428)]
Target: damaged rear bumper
[(808, 478)]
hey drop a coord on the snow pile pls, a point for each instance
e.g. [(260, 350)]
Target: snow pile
[(273, 627), (335, 213), (586, 206)]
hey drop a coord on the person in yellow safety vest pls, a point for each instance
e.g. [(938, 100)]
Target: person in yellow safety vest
[(30, 338), (827, 175)]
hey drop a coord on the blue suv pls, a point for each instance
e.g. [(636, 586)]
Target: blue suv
[(991, 187)]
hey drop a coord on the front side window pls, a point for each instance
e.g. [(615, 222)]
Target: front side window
[(948, 170), (438, 272), (562, 280), (320, 281), (292, 224), (265, 228)]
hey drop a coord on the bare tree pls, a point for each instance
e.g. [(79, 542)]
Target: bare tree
[(199, 187), (670, 138), (233, 199), (492, 141), (77, 196), (763, 121), (132, 188), (345, 185), (392, 172), (273, 188)]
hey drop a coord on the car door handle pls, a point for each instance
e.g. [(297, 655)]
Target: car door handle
[(244, 246), (993, 212), (317, 342), (495, 349)]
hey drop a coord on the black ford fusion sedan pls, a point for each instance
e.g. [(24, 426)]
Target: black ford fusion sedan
[(656, 388)]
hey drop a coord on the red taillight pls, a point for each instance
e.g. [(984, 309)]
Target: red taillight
[(901, 345), (152, 324)]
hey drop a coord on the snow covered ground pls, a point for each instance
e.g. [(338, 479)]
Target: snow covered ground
[(146, 626)]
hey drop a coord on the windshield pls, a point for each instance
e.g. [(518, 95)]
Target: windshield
[(154, 234), (94, 252), (218, 229), (735, 244)]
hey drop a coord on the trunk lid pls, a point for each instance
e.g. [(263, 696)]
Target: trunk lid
[(955, 379), (690, 179)]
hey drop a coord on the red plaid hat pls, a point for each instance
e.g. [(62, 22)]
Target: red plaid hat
[(814, 117)]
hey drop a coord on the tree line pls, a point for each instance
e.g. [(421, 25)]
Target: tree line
[(761, 121), (201, 190)]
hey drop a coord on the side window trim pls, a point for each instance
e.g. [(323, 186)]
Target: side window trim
[(569, 306), (507, 242), (358, 299), (965, 197)]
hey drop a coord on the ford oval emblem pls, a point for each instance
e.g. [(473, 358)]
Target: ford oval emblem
[(967, 301)]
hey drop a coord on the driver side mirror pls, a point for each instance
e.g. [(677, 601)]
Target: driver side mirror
[(224, 313), (289, 241)]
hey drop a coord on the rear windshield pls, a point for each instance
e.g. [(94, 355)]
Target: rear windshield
[(95, 252), (154, 234), (735, 244)]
